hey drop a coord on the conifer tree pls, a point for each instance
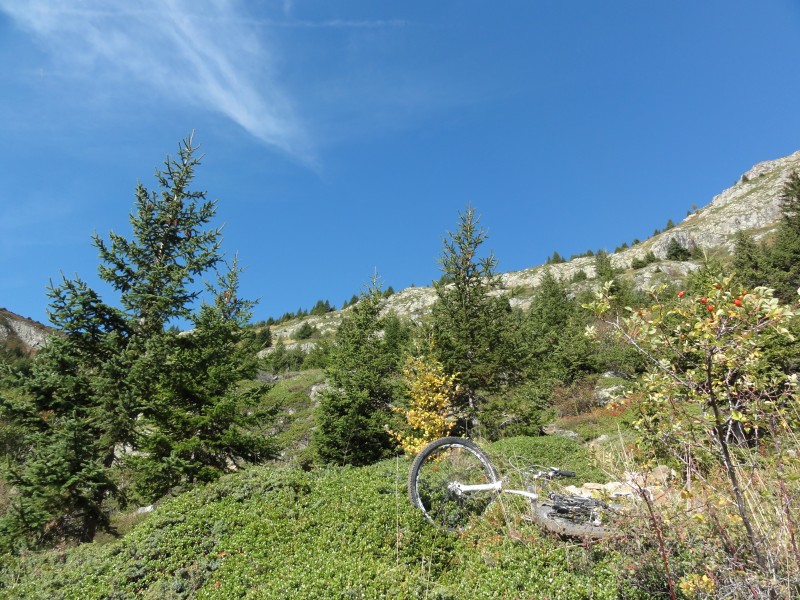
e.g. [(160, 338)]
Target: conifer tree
[(784, 255), (603, 267), (471, 328), (171, 245), (262, 338), (750, 261), (677, 251), (776, 264), (121, 379), (354, 412), (557, 350), (198, 423)]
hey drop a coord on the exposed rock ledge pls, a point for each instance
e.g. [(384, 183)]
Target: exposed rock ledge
[(24, 333)]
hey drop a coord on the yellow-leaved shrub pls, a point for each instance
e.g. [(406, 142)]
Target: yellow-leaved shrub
[(430, 393)]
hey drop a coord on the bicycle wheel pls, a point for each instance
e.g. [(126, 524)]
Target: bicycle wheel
[(434, 471), (573, 516)]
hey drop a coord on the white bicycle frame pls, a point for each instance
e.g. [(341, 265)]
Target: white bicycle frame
[(461, 489)]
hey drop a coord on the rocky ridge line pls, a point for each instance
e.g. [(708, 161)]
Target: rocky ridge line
[(751, 204)]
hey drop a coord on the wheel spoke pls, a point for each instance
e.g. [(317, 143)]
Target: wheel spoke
[(434, 474)]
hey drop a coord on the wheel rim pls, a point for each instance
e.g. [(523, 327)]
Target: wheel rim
[(434, 491)]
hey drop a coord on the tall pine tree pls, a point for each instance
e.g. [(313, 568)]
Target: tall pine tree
[(472, 328), (354, 411), (775, 264), (557, 351), (785, 252), (199, 423), (121, 379)]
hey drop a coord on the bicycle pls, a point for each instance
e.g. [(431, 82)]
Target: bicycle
[(452, 480)]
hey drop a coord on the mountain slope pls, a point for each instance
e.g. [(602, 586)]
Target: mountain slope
[(18, 334), (751, 205)]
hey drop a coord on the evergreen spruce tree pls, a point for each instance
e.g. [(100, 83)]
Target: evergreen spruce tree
[(68, 423), (171, 245), (677, 251), (276, 359), (472, 329), (790, 201), (784, 255), (750, 262), (557, 350), (305, 331), (198, 423), (776, 264), (262, 338), (354, 412), (118, 378), (603, 268), (321, 307)]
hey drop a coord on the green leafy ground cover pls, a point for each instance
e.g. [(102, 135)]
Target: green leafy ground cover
[(275, 532), (290, 400)]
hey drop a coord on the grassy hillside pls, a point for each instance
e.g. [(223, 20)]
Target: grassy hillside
[(275, 532), (711, 454)]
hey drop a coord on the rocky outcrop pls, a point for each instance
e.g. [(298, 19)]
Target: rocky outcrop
[(633, 486), (20, 333), (412, 302), (751, 204)]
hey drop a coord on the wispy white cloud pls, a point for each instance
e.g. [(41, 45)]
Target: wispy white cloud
[(341, 24), (206, 54)]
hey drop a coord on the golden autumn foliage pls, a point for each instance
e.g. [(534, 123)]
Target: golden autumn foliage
[(431, 393)]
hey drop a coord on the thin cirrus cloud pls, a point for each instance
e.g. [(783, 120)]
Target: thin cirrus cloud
[(195, 53)]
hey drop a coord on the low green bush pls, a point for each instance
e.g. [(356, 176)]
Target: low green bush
[(329, 533), (548, 451)]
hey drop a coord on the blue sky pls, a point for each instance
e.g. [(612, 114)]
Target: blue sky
[(343, 137)]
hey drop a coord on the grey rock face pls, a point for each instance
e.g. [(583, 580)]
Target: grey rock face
[(552, 429), (751, 204), (15, 330)]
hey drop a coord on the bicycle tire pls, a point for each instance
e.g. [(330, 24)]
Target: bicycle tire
[(441, 463), (545, 514)]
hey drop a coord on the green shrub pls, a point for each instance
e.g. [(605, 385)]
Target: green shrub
[(639, 263), (579, 276), (548, 451), (521, 411), (282, 359), (305, 331), (331, 533)]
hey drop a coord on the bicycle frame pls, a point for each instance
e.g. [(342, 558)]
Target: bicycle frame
[(452, 480), (461, 489)]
